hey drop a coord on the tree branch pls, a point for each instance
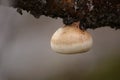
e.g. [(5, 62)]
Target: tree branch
[(91, 13)]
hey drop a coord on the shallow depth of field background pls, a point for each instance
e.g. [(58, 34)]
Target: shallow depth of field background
[(25, 52)]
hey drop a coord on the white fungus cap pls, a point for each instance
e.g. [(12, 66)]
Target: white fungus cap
[(70, 40)]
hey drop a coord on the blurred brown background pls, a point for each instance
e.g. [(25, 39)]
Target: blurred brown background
[(25, 52)]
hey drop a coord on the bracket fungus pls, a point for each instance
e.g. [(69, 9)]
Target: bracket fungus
[(71, 39)]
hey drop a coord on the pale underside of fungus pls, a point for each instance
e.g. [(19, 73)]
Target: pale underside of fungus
[(70, 40)]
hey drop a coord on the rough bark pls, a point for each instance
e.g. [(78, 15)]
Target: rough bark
[(91, 13)]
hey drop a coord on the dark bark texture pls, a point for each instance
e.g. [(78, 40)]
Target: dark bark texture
[(91, 13)]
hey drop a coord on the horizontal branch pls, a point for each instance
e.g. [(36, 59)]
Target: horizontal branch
[(91, 13)]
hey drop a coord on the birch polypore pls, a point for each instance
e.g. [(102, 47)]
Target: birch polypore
[(71, 39)]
